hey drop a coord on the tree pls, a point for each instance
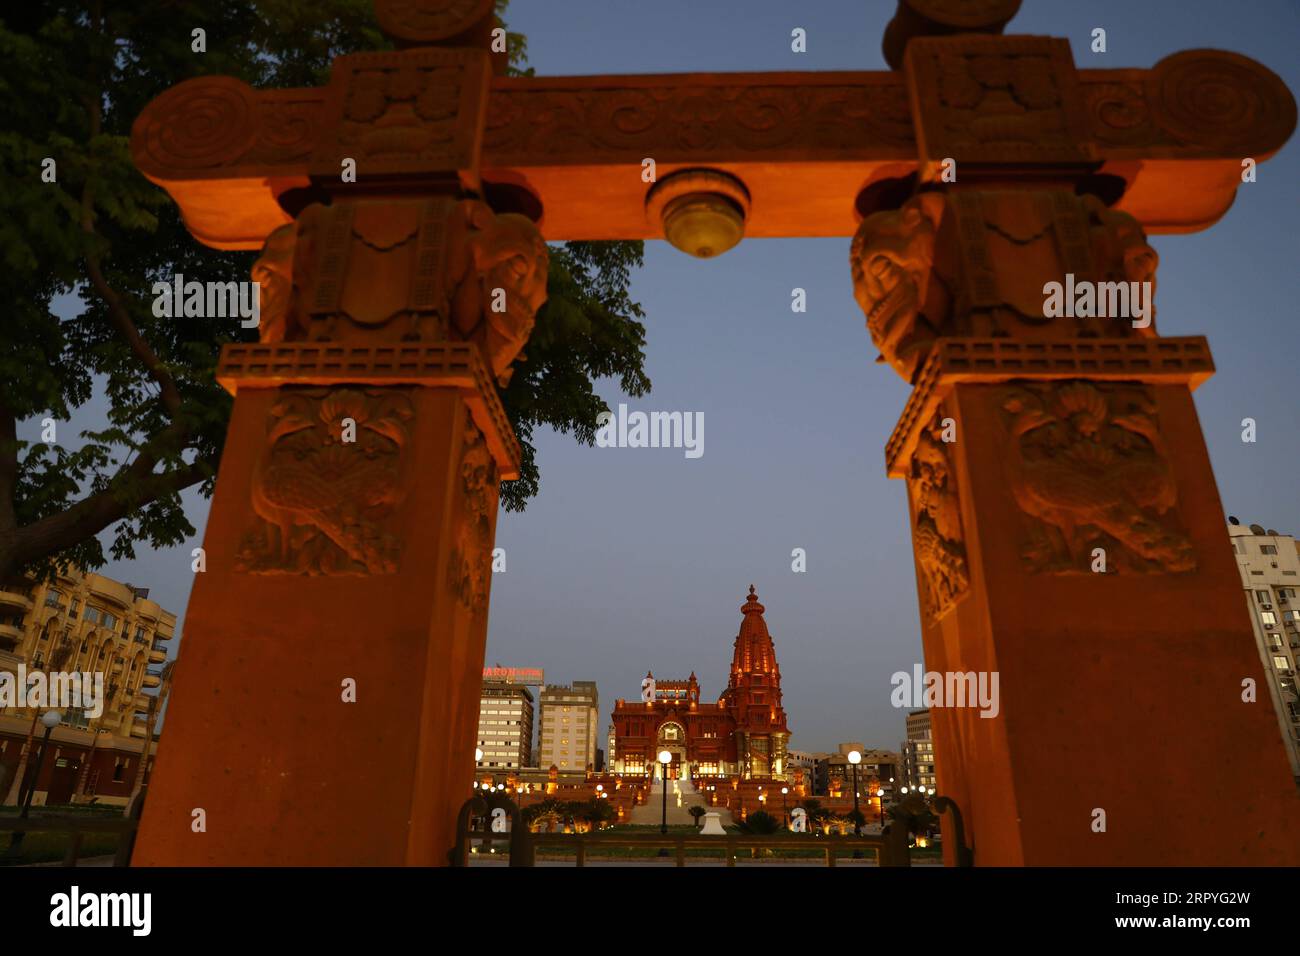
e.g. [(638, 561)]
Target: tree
[(696, 812), (760, 823), (599, 813), (91, 243)]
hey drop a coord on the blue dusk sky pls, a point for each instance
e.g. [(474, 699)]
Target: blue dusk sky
[(638, 559)]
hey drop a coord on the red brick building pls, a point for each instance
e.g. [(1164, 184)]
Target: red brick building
[(743, 735)]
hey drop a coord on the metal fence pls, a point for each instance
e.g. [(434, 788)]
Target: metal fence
[(474, 834)]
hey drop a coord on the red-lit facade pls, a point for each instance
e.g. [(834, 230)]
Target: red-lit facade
[(744, 734)]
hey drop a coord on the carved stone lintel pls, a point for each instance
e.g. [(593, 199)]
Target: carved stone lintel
[(937, 533), (1087, 467), (328, 484)]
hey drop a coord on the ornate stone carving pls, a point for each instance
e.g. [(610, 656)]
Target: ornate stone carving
[(428, 21), (326, 505), (410, 270), (471, 553), (412, 114), (989, 99), (981, 272), (892, 259), (1087, 467), (1221, 101), (695, 121), (1119, 113), (937, 533), (1121, 253), (200, 124)]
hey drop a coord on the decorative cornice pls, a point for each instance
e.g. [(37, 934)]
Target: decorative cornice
[(457, 365), (1163, 361)]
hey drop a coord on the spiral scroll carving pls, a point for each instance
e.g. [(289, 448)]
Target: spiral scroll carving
[(428, 21), (201, 123), (1119, 112), (1221, 101)]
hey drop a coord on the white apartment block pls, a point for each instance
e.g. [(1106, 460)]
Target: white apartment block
[(1270, 573), (505, 726), (568, 721)]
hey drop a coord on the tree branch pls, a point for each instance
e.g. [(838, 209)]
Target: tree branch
[(117, 310), (93, 514)]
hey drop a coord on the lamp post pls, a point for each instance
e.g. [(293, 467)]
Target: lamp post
[(664, 758), (855, 758), (784, 817), (881, 795), (50, 719)]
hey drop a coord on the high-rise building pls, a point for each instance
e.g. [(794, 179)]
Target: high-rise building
[(744, 734), (1270, 573), (918, 751), (505, 725), (570, 716)]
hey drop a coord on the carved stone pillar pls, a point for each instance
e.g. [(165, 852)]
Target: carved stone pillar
[(326, 701), (1067, 530)]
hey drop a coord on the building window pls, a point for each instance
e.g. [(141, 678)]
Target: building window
[(1281, 663), (1268, 617), (1261, 597), (1268, 549)]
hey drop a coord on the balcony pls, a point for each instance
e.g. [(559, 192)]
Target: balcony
[(157, 656), (12, 599), (10, 636), (110, 590)]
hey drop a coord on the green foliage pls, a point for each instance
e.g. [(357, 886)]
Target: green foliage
[(696, 813), (760, 823), (817, 814), (73, 78)]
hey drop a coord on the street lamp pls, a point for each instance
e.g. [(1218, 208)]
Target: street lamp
[(784, 791), (881, 795), (664, 759), (855, 758), (49, 720)]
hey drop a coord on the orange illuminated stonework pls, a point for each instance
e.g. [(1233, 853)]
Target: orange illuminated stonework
[(744, 734)]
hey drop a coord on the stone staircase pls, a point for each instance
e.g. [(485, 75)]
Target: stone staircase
[(682, 795)]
